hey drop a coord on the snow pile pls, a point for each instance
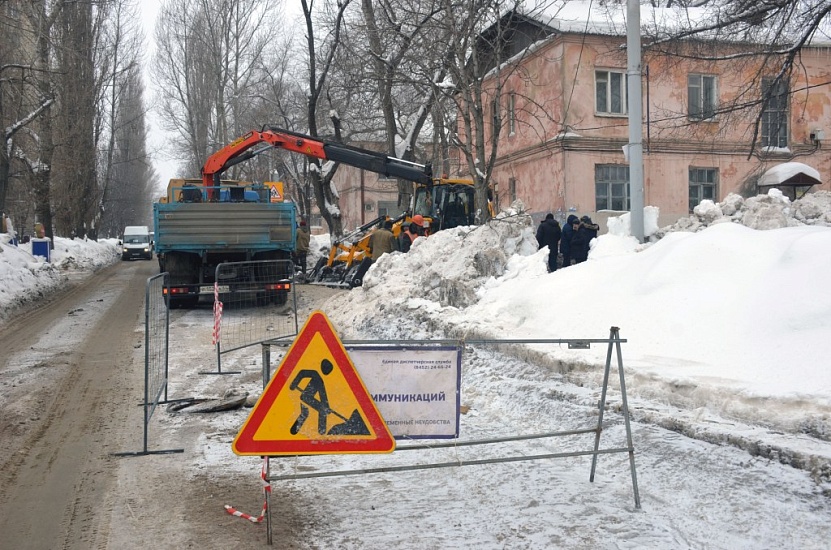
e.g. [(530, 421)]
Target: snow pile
[(448, 269), (720, 317), (319, 246), (26, 278), (771, 211)]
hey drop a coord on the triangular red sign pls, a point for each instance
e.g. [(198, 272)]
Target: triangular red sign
[(316, 403)]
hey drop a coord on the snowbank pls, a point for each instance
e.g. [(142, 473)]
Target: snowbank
[(27, 279), (722, 311)]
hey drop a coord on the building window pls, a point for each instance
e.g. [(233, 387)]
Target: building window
[(775, 113), (389, 208), (703, 185), (702, 96), (511, 113), (512, 189), (611, 187), (610, 92)]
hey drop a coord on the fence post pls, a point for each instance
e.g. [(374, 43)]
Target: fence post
[(625, 411), (156, 337)]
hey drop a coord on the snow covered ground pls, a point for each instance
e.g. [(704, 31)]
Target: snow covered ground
[(25, 279), (726, 317)]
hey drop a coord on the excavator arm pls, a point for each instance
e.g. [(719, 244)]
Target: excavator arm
[(255, 142)]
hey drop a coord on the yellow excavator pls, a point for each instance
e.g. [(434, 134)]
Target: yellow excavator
[(442, 203)]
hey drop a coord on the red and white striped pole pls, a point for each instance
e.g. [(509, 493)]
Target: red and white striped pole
[(266, 490), (217, 314)]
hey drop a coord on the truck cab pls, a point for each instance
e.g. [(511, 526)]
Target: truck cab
[(136, 243)]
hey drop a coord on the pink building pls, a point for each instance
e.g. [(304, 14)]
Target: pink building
[(564, 111), (565, 123)]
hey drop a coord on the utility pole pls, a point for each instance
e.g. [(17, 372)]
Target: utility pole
[(635, 104)]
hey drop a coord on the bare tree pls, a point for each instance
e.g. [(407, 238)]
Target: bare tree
[(442, 65), (26, 100), (132, 177), (407, 49), (205, 67), (319, 65), (485, 52), (123, 118), (282, 102), (74, 173)]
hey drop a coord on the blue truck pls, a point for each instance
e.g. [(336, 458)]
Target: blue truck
[(198, 227), (201, 223)]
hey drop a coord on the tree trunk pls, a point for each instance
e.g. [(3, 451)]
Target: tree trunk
[(4, 176)]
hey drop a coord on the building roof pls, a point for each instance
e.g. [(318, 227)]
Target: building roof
[(609, 19)]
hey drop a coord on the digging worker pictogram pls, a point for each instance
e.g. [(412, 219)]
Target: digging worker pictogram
[(313, 395)]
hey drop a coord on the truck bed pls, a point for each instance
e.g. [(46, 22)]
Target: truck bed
[(223, 226)]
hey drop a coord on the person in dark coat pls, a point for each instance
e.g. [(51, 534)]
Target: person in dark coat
[(548, 234), (413, 230), (565, 240), (580, 244)]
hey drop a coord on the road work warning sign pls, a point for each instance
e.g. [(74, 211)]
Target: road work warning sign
[(275, 191), (316, 403)]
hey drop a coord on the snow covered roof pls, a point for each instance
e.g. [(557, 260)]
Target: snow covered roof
[(579, 16), (609, 19), (790, 173)]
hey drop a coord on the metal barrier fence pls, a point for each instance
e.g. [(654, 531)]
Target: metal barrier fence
[(254, 301), (156, 332), (614, 347)]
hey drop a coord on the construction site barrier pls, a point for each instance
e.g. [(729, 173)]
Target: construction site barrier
[(156, 341), (613, 343), (254, 301)]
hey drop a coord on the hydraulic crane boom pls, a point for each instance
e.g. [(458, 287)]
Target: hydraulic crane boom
[(241, 150)]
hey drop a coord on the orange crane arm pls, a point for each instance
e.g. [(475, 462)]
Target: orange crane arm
[(241, 150)]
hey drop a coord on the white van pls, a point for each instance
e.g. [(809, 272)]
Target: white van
[(137, 243)]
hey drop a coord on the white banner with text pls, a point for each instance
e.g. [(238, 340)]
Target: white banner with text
[(417, 391)]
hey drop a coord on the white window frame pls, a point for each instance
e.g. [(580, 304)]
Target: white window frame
[(603, 77), (702, 96), (777, 108), (613, 179), (700, 183), (511, 114)]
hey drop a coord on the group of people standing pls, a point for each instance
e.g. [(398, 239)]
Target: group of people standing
[(572, 240), (383, 240)]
